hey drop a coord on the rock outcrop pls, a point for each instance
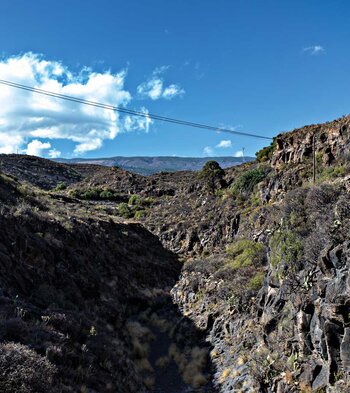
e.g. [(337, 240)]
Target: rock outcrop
[(332, 141)]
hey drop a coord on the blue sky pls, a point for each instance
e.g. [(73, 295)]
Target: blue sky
[(254, 66)]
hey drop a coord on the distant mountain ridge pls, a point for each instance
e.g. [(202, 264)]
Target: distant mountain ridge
[(144, 165)]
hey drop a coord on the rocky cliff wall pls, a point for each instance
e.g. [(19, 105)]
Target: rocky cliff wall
[(293, 334), (332, 141)]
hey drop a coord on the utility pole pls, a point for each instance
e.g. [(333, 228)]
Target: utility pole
[(313, 158), (243, 160)]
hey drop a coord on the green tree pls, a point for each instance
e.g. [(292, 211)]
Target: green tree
[(213, 175)]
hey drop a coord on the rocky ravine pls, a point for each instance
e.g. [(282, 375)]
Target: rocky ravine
[(85, 305), (264, 273)]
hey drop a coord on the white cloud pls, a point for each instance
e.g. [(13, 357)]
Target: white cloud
[(53, 153), (154, 87), (36, 147), (315, 50), (10, 143), (172, 91), (133, 123), (238, 153), (208, 151), (89, 145), (225, 143), (27, 117)]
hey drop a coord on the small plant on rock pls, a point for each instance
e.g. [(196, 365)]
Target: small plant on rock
[(60, 186)]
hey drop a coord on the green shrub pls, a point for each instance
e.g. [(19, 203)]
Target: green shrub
[(245, 253), (331, 172), (319, 157), (256, 282), (60, 186), (134, 200), (107, 194), (220, 193), (147, 201), (140, 214), (211, 168), (246, 182), (266, 153), (286, 247), (241, 273), (124, 210), (92, 193), (255, 200), (74, 193)]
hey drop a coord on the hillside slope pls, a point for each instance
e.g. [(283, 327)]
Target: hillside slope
[(37, 171), (151, 165), (72, 285)]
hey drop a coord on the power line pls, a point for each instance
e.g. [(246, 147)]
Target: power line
[(128, 111)]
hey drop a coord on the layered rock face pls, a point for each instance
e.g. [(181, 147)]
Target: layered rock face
[(332, 141), (319, 338), (304, 304), (292, 158), (293, 335)]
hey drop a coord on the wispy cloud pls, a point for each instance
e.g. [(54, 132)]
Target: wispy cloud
[(31, 122), (172, 91), (134, 123), (229, 126), (208, 151), (160, 70), (224, 144), (315, 50), (154, 87)]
